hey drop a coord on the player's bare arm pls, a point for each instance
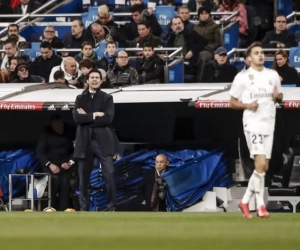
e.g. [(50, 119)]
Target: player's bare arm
[(236, 104), (277, 96)]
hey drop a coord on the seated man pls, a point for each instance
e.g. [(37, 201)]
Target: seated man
[(71, 69), (122, 74), (152, 188), (219, 70), (145, 36), (280, 37), (54, 151)]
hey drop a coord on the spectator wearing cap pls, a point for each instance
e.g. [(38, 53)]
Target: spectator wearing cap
[(108, 61), (211, 32), (43, 64), (13, 33), (219, 70), (22, 74), (184, 13)]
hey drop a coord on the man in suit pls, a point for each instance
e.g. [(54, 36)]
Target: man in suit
[(93, 113), (152, 188)]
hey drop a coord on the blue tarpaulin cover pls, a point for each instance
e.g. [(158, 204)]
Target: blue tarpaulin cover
[(10, 162), (191, 174)]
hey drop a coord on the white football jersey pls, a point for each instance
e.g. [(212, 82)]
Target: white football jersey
[(251, 85)]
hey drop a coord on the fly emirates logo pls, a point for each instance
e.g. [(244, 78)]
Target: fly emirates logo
[(16, 106), (263, 93)]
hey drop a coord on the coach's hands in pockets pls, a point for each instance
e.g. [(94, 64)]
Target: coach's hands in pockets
[(253, 106)]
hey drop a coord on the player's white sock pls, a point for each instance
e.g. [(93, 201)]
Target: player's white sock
[(249, 190), (259, 187)]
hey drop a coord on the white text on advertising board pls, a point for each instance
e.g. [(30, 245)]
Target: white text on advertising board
[(213, 105), (15, 106)]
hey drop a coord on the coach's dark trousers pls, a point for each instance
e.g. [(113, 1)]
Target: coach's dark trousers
[(85, 167)]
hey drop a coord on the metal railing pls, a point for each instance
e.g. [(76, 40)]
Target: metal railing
[(176, 54), (36, 15), (25, 17), (234, 52)]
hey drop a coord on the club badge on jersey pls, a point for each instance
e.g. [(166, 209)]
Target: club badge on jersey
[(251, 77)]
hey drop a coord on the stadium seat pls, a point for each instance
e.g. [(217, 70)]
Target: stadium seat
[(84, 17), (35, 46), (164, 14), (32, 53), (101, 49)]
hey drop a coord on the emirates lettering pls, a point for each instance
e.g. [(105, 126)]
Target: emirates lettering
[(17, 107), (294, 105), (212, 105), (261, 95)]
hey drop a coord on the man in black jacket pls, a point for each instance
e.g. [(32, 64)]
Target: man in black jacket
[(54, 151), (191, 42), (93, 113), (219, 70), (280, 37), (44, 63), (151, 191)]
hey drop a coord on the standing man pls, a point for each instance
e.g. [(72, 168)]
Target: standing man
[(259, 89), (93, 113)]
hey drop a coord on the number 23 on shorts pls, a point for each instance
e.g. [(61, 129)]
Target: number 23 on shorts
[(256, 139)]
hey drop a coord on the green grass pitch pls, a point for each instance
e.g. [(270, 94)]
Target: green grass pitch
[(147, 231)]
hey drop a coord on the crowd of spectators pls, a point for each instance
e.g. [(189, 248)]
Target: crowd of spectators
[(204, 58)]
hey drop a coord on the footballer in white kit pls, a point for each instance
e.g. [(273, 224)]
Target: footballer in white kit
[(256, 90)]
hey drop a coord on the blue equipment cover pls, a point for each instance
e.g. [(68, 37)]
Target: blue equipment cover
[(10, 162), (191, 174)]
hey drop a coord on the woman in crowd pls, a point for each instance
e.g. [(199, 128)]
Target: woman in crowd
[(232, 6), (288, 74)]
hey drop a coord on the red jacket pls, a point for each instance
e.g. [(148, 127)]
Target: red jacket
[(14, 3)]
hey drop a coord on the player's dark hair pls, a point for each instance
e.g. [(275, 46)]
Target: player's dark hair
[(253, 45)]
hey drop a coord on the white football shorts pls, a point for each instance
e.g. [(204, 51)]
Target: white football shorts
[(259, 144)]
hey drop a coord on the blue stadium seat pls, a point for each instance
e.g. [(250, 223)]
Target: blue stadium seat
[(101, 49), (92, 16), (84, 17), (32, 53), (164, 14), (35, 46)]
